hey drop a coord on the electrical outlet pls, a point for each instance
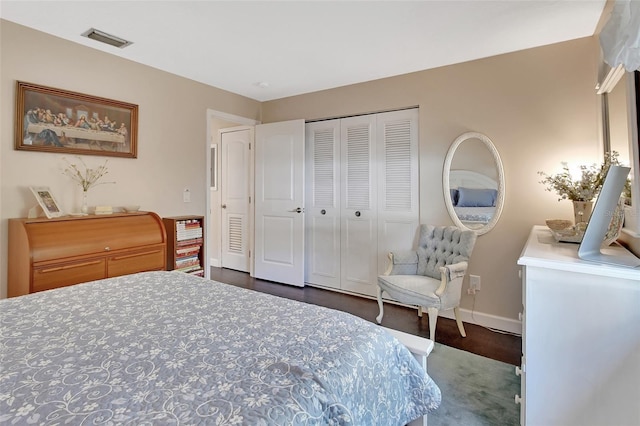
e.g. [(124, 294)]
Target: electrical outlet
[(474, 282)]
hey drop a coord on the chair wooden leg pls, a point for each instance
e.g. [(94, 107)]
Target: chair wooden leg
[(433, 319), (456, 312), (379, 317)]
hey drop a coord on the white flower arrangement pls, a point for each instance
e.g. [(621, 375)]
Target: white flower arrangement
[(588, 186), (83, 175)]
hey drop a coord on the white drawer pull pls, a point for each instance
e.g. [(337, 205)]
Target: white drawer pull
[(518, 400), (520, 316), (518, 371)]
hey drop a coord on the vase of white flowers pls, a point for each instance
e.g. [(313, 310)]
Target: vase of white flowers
[(581, 191), (86, 177)]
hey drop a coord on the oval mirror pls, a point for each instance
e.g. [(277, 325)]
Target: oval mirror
[(473, 183)]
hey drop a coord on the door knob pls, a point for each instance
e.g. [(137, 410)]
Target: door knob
[(298, 210), (357, 214), (323, 211), (224, 206)]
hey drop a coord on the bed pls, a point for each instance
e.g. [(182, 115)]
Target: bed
[(473, 196), (171, 348)]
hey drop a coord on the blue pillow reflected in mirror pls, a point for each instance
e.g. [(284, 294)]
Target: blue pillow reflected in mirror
[(473, 197)]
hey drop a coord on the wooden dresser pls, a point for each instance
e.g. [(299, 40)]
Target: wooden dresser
[(51, 253)]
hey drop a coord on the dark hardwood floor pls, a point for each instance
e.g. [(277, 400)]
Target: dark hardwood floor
[(479, 340)]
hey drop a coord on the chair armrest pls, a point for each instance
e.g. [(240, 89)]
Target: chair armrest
[(402, 262), (449, 273)]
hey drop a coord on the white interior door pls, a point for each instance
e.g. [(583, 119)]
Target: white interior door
[(322, 212), (358, 205), (234, 187), (279, 204)]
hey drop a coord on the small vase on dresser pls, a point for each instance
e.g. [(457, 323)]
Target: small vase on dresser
[(582, 211), (85, 208)]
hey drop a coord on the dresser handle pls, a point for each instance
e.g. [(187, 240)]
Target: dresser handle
[(75, 265), (126, 256), (518, 400), (518, 371)]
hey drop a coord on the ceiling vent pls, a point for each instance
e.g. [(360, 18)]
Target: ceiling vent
[(106, 38)]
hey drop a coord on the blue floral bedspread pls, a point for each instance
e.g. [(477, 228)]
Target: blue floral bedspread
[(169, 348)]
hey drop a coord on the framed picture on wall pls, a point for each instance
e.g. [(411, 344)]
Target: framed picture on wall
[(47, 201), (56, 120)]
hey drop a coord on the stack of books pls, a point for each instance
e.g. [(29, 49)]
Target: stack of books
[(188, 245)]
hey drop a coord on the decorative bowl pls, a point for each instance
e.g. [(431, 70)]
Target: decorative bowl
[(559, 224), (131, 209)]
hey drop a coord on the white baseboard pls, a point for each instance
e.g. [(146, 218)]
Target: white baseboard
[(478, 318), (487, 320)]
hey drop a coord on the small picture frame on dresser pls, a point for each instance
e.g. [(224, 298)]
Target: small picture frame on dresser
[(47, 201)]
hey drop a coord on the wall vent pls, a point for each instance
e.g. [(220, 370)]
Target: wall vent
[(103, 37)]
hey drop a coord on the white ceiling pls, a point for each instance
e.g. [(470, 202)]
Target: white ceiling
[(298, 47)]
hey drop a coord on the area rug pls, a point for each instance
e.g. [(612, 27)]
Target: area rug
[(475, 390)]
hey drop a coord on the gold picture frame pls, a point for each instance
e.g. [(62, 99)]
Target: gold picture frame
[(56, 120), (47, 201)]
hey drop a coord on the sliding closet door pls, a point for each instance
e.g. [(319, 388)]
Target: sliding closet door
[(362, 197), (322, 213), (358, 205), (398, 207)]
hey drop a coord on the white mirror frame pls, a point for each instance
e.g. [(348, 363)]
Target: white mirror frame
[(445, 181)]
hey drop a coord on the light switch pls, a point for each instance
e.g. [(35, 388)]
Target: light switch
[(186, 195)]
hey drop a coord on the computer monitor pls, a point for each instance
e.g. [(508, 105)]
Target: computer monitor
[(590, 247)]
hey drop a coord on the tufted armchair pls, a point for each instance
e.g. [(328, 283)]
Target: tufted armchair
[(430, 276)]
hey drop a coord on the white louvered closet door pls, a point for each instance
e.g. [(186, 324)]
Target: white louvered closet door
[(398, 207), (322, 213), (358, 257), (362, 197)]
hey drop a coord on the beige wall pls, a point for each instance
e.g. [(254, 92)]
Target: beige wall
[(538, 106), (171, 139)]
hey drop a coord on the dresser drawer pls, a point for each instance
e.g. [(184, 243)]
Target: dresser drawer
[(152, 258), (61, 275)]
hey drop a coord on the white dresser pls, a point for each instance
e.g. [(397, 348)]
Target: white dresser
[(580, 338)]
